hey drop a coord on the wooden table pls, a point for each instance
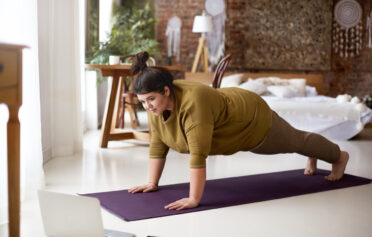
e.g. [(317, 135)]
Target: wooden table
[(11, 94), (118, 74)]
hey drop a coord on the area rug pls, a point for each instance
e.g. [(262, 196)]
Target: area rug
[(221, 193)]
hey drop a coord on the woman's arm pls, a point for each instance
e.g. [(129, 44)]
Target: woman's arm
[(156, 167), (197, 183), (199, 138), (155, 170)]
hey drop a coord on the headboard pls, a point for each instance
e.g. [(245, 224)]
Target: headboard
[(315, 80)]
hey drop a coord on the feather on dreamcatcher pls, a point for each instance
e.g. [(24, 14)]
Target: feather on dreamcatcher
[(347, 28), (369, 26)]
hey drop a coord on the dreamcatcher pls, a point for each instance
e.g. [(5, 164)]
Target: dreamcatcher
[(216, 38), (173, 34), (347, 28)]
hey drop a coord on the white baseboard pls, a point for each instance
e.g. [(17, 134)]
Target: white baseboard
[(47, 155)]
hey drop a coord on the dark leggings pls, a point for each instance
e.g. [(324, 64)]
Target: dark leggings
[(283, 138)]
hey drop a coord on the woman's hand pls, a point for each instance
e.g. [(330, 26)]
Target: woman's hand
[(150, 187), (184, 203)]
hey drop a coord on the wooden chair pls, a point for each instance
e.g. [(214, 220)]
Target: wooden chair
[(220, 70), (128, 100)]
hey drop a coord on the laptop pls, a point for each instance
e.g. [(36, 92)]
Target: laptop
[(71, 215)]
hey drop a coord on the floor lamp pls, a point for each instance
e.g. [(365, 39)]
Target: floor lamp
[(202, 24)]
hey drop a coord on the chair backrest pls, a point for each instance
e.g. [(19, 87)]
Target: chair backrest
[(220, 70)]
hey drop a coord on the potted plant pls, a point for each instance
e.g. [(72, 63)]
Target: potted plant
[(133, 31)]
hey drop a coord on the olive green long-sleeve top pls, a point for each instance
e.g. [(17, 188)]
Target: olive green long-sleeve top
[(207, 121)]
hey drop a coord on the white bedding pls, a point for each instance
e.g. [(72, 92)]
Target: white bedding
[(322, 114), (337, 119)]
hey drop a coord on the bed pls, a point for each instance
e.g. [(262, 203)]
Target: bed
[(299, 99)]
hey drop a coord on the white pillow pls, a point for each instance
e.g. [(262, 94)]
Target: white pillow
[(254, 86), (299, 84), (343, 98), (284, 91), (272, 81), (355, 100), (233, 80), (311, 91)]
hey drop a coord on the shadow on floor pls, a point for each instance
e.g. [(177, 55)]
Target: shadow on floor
[(365, 134)]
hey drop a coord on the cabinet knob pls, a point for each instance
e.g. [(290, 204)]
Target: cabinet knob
[(1, 67)]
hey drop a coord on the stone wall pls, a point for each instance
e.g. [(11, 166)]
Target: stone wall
[(276, 35), (288, 35)]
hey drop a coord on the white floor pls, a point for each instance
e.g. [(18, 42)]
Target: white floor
[(345, 212)]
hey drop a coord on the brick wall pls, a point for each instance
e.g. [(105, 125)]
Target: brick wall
[(235, 28), (185, 10), (353, 76)]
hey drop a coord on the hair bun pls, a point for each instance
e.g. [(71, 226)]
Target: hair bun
[(139, 63)]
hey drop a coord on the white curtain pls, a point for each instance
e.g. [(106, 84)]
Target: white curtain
[(61, 65), (18, 25)]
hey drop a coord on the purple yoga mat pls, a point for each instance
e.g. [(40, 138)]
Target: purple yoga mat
[(221, 193)]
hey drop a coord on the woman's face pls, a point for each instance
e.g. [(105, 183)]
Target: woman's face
[(156, 102)]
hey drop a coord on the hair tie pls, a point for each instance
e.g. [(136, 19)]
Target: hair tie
[(143, 67)]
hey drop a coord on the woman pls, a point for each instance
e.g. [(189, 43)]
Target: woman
[(196, 119)]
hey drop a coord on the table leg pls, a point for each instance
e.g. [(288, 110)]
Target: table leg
[(13, 135), (119, 110), (109, 111)]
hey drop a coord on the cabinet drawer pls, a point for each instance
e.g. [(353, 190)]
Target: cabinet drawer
[(8, 68), (9, 96)]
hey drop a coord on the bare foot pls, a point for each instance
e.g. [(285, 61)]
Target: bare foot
[(310, 166), (338, 168)]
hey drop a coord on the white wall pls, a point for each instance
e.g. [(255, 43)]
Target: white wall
[(90, 100)]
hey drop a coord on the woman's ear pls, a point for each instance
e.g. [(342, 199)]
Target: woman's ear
[(166, 91)]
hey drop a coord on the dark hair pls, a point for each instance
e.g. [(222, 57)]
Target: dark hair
[(150, 79)]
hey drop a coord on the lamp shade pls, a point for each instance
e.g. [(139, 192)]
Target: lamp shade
[(202, 24)]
